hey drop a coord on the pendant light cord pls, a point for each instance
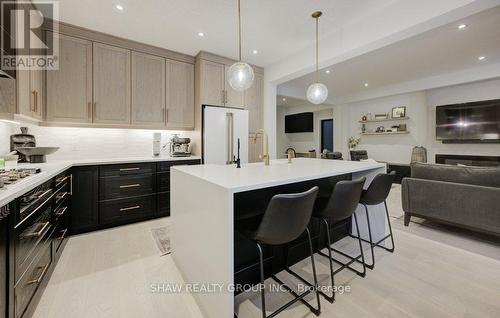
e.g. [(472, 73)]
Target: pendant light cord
[(317, 48), (239, 27)]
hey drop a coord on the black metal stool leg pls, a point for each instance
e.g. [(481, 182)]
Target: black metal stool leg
[(262, 286), (390, 228), (314, 271), (360, 245), (331, 299), (372, 265)]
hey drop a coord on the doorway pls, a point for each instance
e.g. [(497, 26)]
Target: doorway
[(327, 134)]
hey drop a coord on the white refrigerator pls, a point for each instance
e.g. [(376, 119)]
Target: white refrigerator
[(222, 127)]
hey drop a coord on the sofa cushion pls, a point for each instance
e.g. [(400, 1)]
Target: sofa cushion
[(483, 176)]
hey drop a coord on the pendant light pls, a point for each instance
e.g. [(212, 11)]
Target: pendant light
[(317, 92), (240, 75)]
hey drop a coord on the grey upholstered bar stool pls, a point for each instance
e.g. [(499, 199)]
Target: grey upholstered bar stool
[(339, 206), (285, 219), (376, 194)]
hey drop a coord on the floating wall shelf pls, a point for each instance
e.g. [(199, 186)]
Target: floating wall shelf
[(385, 133), (383, 119)]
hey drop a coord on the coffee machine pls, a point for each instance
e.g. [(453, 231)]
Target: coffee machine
[(179, 147)]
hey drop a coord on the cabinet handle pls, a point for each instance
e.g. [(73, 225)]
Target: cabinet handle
[(129, 169), (130, 208), (61, 196), (32, 102), (36, 101), (39, 233), (61, 211), (130, 185), (63, 235), (60, 181), (42, 274), (71, 184), (222, 96)]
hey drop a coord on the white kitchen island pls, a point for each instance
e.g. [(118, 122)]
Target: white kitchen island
[(202, 211)]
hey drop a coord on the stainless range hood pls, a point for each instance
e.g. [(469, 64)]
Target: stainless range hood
[(8, 74)]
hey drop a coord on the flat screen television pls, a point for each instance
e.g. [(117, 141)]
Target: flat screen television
[(476, 122), (299, 123)]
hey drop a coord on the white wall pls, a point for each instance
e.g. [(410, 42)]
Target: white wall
[(92, 143), (390, 148), (421, 110), (4, 137), (301, 142)]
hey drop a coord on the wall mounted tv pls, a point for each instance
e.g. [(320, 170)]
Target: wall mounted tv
[(476, 122), (299, 123)]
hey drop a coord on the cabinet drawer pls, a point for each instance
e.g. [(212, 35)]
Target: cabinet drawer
[(30, 239), (62, 194), (123, 210), (165, 165), (29, 282), (128, 186), (127, 169), (60, 233), (163, 200), (163, 181)]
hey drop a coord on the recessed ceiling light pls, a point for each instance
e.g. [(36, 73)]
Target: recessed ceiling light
[(119, 7), (255, 52), (481, 58), (366, 84), (201, 34), (462, 26), (283, 99), (327, 71)]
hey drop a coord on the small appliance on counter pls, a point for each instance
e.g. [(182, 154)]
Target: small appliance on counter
[(22, 140), (25, 145), (179, 147)]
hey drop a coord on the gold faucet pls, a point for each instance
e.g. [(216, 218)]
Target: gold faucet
[(265, 145)]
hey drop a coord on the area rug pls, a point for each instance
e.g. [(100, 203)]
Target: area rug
[(161, 236)]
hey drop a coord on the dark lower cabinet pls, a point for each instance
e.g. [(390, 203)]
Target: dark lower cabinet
[(111, 195), (84, 201), (164, 203), (4, 264)]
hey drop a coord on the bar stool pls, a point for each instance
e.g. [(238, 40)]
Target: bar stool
[(377, 193), (339, 206), (285, 219)]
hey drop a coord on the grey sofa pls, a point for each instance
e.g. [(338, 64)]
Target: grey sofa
[(464, 196)]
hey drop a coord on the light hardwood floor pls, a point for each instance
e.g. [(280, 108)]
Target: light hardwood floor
[(109, 274)]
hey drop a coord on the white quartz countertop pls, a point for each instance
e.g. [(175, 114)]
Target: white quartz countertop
[(257, 175), (53, 167)]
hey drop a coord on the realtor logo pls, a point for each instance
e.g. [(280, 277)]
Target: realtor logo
[(26, 43)]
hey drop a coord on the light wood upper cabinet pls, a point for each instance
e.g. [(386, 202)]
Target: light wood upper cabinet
[(7, 98), (253, 101), (30, 93), (69, 89), (111, 84), (233, 98), (212, 83), (148, 89), (180, 95)]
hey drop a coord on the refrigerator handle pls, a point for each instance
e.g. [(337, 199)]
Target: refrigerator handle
[(230, 137)]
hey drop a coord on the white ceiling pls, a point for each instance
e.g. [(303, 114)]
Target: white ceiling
[(276, 28), (439, 51), (288, 101)]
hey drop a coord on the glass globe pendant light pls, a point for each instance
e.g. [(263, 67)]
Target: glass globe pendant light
[(240, 75), (317, 92)]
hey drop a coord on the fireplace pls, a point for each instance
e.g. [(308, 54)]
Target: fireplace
[(468, 160)]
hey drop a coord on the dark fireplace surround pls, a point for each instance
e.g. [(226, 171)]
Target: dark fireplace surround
[(468, 160)]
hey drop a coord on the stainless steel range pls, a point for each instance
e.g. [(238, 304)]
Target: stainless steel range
[(8, 177)]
